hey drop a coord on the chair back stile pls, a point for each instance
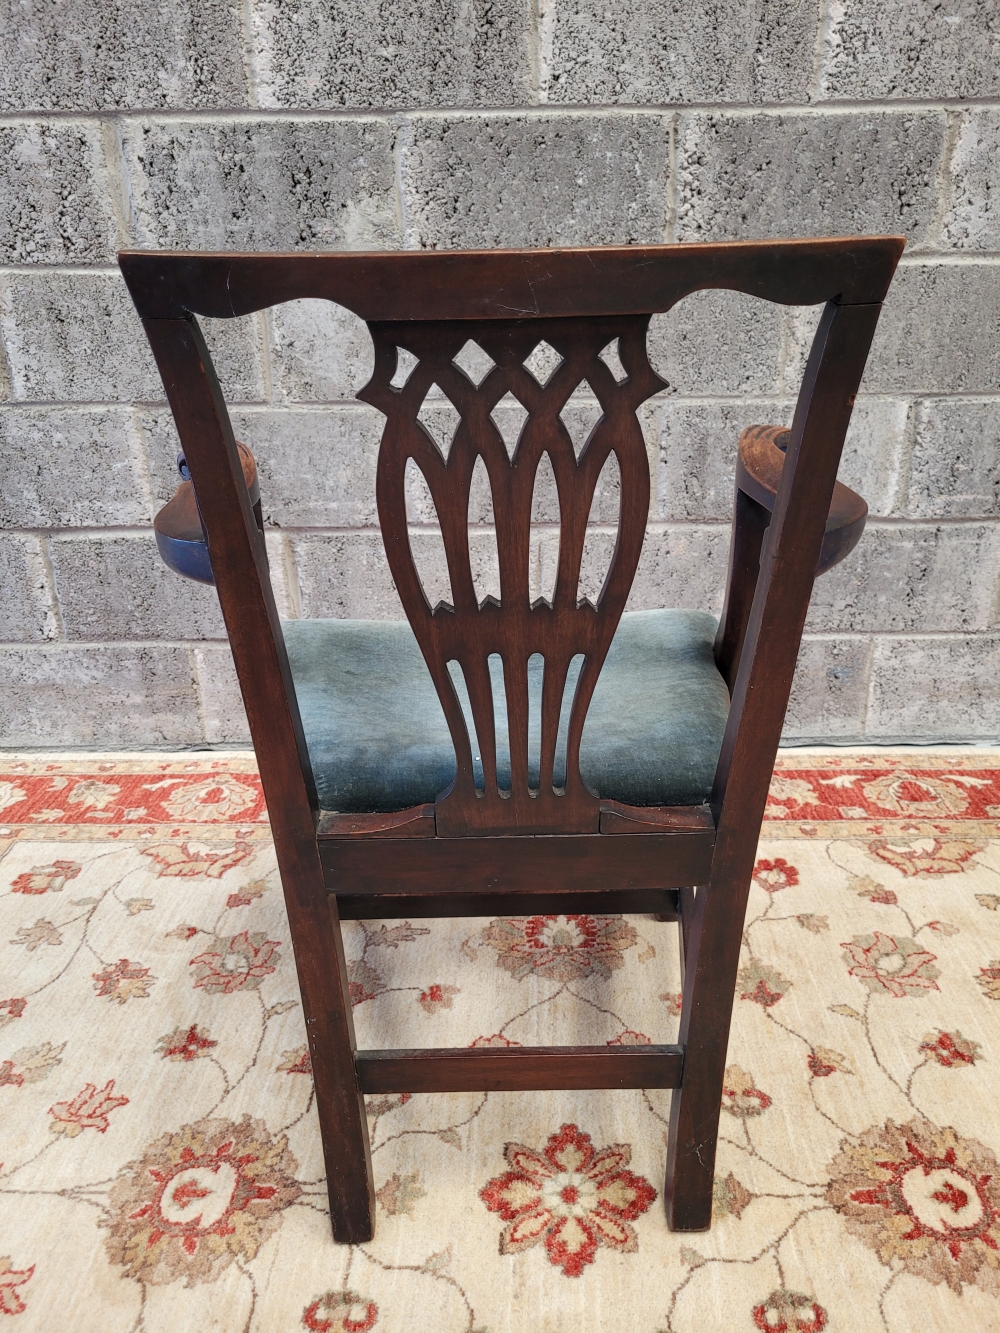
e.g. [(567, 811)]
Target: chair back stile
[(238, 552)]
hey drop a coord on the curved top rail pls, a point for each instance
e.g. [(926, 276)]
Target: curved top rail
[(511, 284)]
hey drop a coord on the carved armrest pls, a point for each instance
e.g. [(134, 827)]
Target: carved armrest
[(180, 537), (758, 472)]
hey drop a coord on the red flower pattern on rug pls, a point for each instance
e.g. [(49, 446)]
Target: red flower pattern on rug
[(951, 1049), (789, 1312), (569, 1197), (340, 1312), (12, 1008), (179, 861), (11, 1281), (124, 981), (761, 984), (923, 797), (46, 879), (892, 964), (189, 1043), (740, 1096), (775, 875), (238, 963), (926, 856), (560, 948), (437, 997), (198, 1199), (89, 1109), (924, 1198), (296, 1061)]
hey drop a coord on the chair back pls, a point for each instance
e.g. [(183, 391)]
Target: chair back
[(459, 638), (588, 310)]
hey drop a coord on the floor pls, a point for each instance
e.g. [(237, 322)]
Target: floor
[(160, 1156)]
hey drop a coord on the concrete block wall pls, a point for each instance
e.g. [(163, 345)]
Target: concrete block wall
[(338, 124)]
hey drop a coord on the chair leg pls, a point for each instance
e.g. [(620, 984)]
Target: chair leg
[(711, 945), (322, 970)]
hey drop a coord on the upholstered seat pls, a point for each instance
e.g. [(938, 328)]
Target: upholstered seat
[(378, 739)]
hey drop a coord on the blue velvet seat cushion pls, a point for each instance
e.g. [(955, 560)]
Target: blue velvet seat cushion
[(378, 739)]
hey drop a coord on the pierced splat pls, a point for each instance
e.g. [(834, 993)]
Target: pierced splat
[(580, 415), (474, 362), (440, 420), (609, 355), (510, 418), (542, 361)]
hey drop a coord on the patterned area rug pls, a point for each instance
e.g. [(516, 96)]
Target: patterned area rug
[(161, 1160)]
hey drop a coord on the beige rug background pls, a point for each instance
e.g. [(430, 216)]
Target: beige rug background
[(161, 1159)]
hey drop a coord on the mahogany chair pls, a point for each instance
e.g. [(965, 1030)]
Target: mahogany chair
[(450, 766)]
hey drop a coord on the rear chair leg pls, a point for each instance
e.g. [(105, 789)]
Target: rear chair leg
[(319, 952), (695, 1105)]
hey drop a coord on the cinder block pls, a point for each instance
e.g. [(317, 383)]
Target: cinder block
[(284, 579), (387, 54), (71, 467), (222, 710), (912, 578), (26, 611), (955, 462), (892, 48), (270, 184), (696, 452), (741, 176), (934, 689), (162, 445), (119, 588), (55, 194), (829, 692), (801, 323), (637, 52), (106, 696), (316, 466), (345, 576), (516, 180), (875, 452), (972, 221), (718, 342), (683, 565), (76, 337), (939, 331), (91, 55), (319, 352)]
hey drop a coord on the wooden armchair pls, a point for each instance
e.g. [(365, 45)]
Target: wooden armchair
[(509, 756)]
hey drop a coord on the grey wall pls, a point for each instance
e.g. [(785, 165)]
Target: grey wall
[(199, 123)]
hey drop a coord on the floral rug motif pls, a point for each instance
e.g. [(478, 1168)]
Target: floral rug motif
[(160, 1165)]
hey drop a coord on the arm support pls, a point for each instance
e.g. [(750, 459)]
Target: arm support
[(180, 535), (758, 475), (759, 463)]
